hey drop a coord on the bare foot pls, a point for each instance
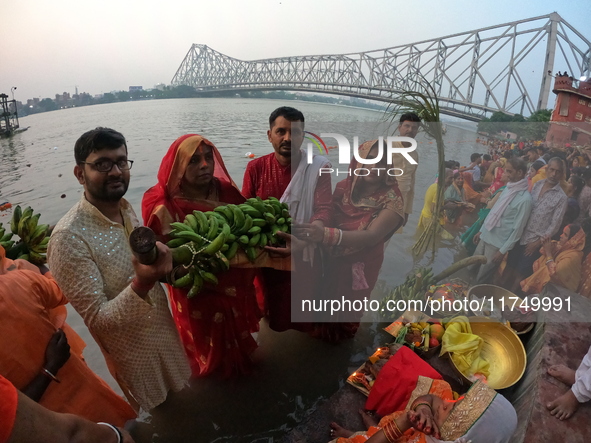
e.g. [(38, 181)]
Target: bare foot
[(368, 419), (564, 406), (338, 431), (562, 373)]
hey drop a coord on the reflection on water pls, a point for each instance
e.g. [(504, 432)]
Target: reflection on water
[(293, 372), (11, 153)]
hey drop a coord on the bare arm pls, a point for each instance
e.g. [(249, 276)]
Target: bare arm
[(36, 424), (57, 354), (386, 223)]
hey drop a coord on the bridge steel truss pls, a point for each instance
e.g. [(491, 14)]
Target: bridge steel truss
[(474, 73)]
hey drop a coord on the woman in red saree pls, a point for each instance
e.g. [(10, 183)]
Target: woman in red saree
[(366, 211), (216, 325), (498, 175)]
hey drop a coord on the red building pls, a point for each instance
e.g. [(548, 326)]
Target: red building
[(571, 118)]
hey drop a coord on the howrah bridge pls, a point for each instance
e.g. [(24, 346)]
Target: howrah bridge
[(507, 68)]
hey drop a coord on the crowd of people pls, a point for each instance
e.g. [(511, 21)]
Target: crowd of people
[(154, 340), (533, 222), (533, 226)]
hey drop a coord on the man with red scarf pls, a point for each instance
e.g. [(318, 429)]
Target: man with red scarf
[(270, 176)]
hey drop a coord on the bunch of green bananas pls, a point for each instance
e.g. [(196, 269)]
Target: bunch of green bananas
[(5, 238), (33, 237), (205, 242), (413, 288)]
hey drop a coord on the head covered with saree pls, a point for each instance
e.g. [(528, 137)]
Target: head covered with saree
[(165, 201), (572, 239), (387, 194), (481, 414), (565, 268), (353, 212)]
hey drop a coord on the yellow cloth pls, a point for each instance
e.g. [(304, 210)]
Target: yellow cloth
[(430, 200), (464, 347), (540, 175)]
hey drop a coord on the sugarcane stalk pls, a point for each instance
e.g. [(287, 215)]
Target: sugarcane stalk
[(468, 261), (426, 105)]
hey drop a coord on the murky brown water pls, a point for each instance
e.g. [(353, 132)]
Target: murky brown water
[(293, 372)]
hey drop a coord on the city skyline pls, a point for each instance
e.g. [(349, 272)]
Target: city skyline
[(54, 48)]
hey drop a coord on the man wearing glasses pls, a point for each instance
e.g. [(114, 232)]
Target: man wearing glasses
[(121, 301)]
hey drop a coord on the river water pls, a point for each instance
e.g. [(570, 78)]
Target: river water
[(293, 373)]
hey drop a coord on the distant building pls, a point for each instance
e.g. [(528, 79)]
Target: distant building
[(571, 118), (136, 88), (160, 86), (509, 135)]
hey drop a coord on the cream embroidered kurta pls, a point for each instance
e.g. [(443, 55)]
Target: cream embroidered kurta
[(90, 257)]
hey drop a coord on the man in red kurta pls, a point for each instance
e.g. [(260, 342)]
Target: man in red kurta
[(270, 176)]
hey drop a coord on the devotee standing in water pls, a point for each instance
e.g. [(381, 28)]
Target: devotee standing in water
[(216, 324), (408, 127), (286, 175), (121, 301)]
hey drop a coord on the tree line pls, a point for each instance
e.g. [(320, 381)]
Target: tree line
[(183, 91), (534, 127)]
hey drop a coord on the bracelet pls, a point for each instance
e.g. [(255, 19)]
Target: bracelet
[(115, 430), (340, 237), (414, 408), (50, 375), (331, 236), (549, 260), (141, 287), (390, 433)]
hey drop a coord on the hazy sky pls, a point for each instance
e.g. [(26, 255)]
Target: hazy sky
[(48, 47)]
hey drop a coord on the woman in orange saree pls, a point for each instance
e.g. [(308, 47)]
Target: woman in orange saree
[(32, 309), (560, 262), (215, 326), (470, 194), (432, 416)]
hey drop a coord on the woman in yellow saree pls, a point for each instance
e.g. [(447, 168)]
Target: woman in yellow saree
[(432, 416)]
